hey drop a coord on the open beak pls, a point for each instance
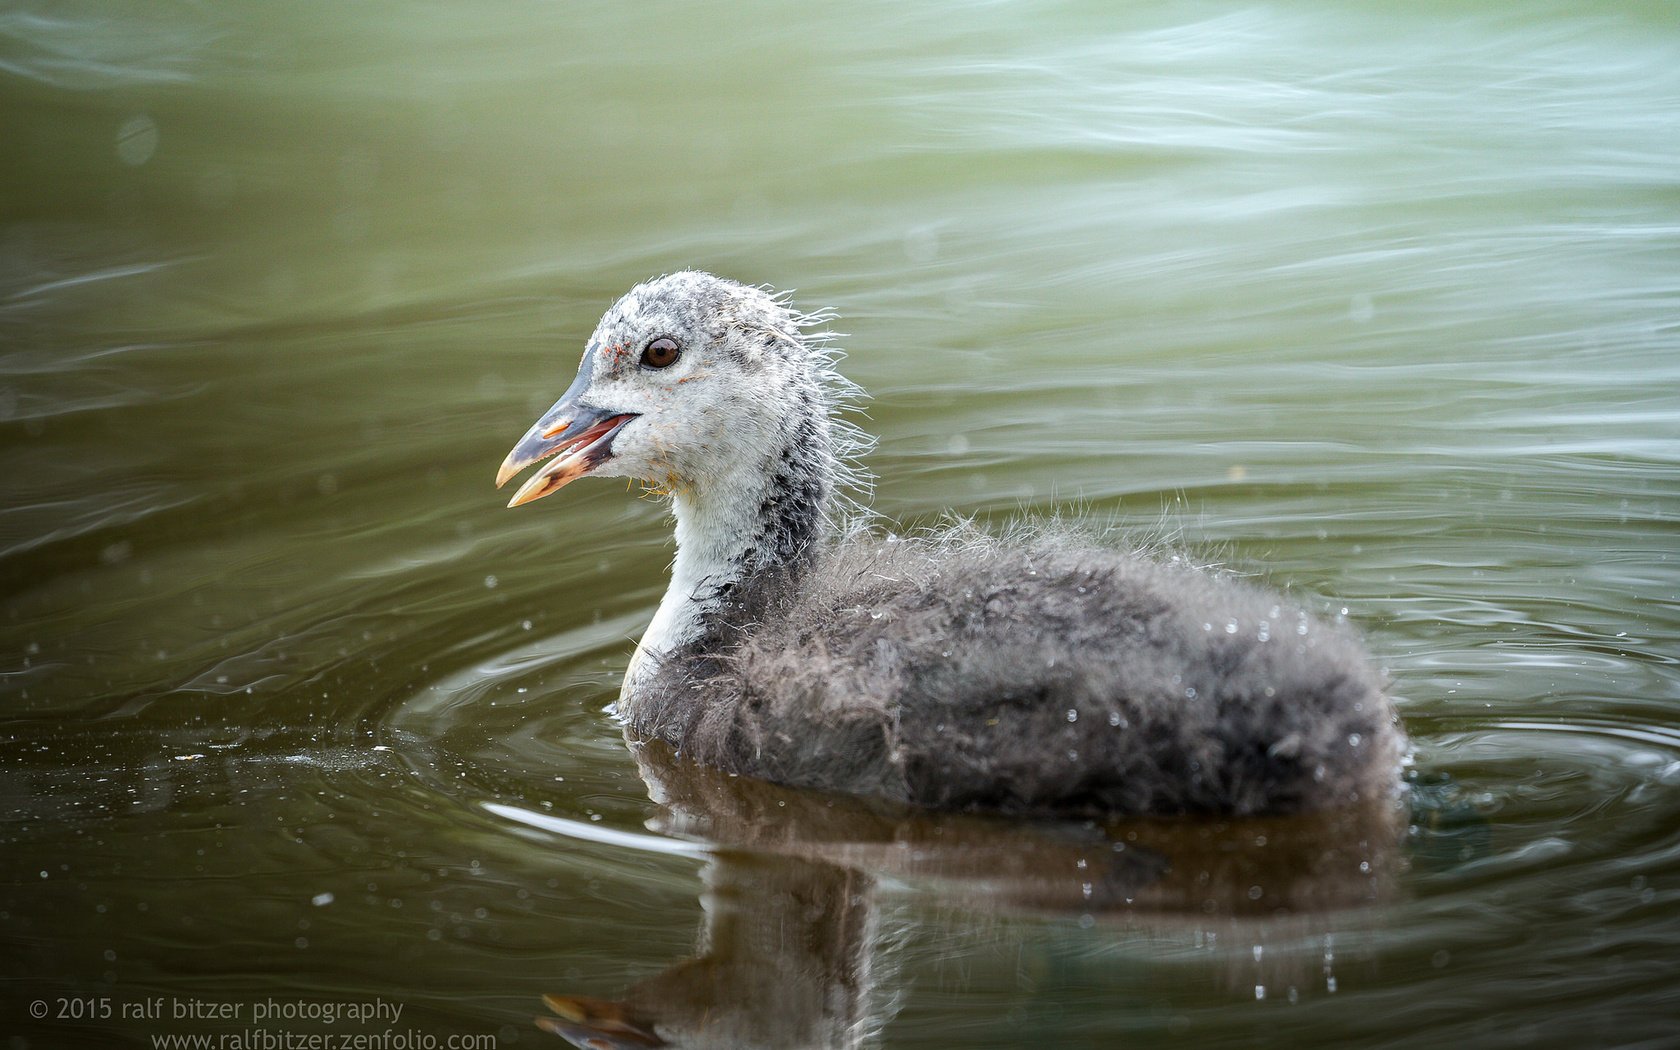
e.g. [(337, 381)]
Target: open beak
[(580, 437)]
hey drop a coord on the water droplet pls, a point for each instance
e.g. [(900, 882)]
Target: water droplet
[(137, 140), (490, 583), (1072, 715)]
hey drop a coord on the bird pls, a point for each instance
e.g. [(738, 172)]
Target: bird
[(1039, 669)]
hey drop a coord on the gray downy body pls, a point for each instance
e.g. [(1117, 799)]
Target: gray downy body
[(1035, 671)]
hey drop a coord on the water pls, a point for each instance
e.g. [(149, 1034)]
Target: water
[(1380, 303)]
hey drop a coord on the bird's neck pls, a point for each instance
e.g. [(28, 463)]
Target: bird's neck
[(761, 520)]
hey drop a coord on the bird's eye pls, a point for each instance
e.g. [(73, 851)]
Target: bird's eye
[(661, 353)]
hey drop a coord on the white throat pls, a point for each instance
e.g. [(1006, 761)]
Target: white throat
[(720, 543)]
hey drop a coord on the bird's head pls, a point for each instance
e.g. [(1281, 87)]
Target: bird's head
[(688, 379)]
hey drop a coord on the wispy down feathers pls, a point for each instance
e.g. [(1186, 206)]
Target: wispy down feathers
[(1034, 671)]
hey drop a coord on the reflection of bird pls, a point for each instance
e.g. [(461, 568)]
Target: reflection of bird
[(1035, 671), (799, 944)]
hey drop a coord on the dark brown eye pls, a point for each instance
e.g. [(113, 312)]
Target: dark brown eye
[(661, 353)]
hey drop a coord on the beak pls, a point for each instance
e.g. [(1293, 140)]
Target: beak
[(597, 1023), (582, 433)]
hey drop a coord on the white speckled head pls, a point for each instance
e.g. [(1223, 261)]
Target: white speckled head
[(688, 381)]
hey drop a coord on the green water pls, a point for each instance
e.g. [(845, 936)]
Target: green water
[(1380, 302)]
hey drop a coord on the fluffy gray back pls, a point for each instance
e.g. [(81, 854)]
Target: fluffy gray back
[(1040, 671)]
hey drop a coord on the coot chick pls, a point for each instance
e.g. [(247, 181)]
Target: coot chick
[(1035, 671)]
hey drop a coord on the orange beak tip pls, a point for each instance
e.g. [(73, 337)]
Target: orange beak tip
[(540, 485)]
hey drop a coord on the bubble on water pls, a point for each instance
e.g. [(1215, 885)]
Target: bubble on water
[(1361, 309), (921, 245), (137, 140)]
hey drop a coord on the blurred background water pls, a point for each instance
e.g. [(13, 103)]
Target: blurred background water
[(1379, 302)]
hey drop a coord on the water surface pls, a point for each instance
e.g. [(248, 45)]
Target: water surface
[(1380, 304)]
